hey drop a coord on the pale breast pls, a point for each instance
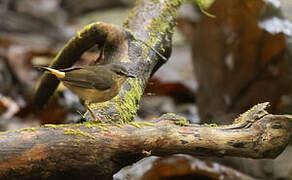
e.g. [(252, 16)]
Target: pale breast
[(93, 95)]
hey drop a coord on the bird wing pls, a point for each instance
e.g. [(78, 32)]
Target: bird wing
[(89, 79)]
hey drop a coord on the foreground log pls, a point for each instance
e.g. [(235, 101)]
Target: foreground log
[(99, 151)]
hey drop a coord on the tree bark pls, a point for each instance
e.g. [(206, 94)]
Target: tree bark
[(96, 151)]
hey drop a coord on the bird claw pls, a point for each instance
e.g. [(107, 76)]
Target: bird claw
[(95, 117)]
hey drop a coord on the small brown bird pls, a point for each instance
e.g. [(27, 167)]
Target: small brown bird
[(93, 83)]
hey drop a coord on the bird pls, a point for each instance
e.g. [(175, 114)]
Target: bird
[(93, 84)]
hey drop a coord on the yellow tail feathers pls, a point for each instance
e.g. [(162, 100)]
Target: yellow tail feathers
[(58, 74)]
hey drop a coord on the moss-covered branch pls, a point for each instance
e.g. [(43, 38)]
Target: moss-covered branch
[(98, 150)]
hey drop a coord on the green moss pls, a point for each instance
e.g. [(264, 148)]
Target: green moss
[(29, 129), (117, 124), (102, 108), (172, 115), (181, 121), (155, 1), (135, 124), (77, 142), (145, 48), (20, 130), (54, 126), (163, 24), (8, 132), (177, 2), (203, 4), (69, 131), (161, 27), (140, 124), (178, 120), (255, 112), (145, 124), (131, 14), (68, 45), (87, 28), (91, 124), (128, 107), (88, 124)]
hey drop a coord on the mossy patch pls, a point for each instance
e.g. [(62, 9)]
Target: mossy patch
[(256, 112), (125, 104), (128, 107), (162, 26), (54, 126), (155, 1), (20, 130), (131, 15), (69, 131), (140, 124), (87, 28), (178, 120), (204, 5), (181, 121), (88, 124)]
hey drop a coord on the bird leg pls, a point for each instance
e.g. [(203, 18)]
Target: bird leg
[(96, 118)]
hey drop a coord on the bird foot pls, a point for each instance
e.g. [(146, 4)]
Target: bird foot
[(95, 117)]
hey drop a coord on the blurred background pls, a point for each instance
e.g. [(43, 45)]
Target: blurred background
[(219, 67)]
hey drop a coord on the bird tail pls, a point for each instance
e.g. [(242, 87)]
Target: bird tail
[(57, 73)]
